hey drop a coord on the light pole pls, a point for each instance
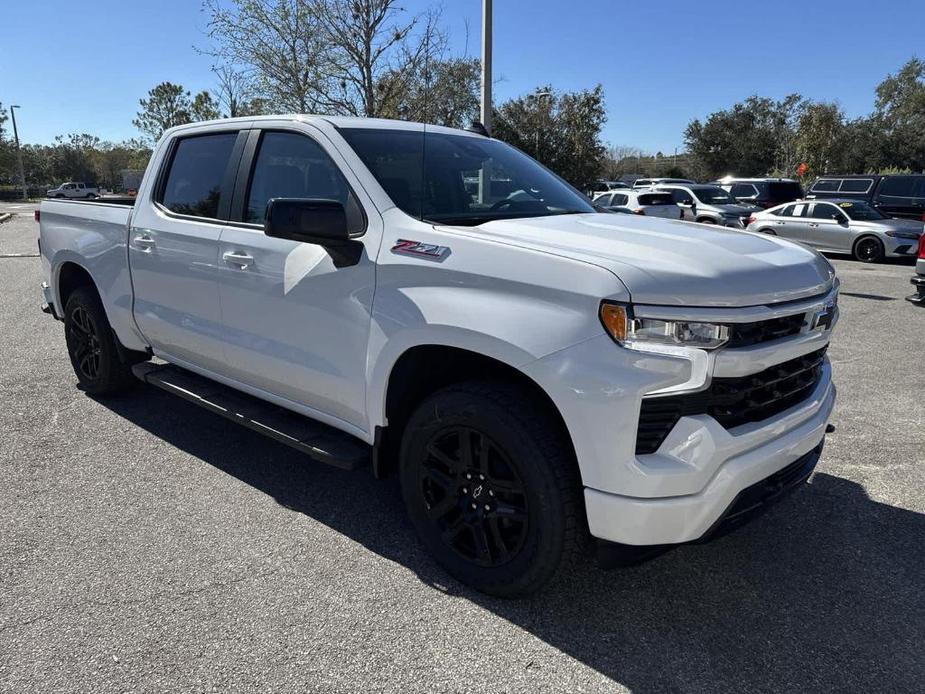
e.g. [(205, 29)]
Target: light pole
[(22, 173), (486, 64), (538, 96), (485, 172)]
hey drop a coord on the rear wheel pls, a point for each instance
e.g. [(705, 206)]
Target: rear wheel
[(492, 487), (91, 345), (769, 232), (869, 250), (706, 220)]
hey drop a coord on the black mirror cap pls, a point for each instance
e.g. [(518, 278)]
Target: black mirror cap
[(310, 220)]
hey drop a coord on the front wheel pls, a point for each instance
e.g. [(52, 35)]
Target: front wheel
[(869, 250), (492, 487), (91, 345)]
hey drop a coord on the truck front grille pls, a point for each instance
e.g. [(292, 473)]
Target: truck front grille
[(747, 334), (732, 401)]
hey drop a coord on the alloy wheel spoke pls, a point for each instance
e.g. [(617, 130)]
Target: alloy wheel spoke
[(497, 537), (503, 510), (443, 507), (443, 458), (441, 479), (480, 539)]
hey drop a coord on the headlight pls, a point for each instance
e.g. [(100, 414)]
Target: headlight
[(903, 234), (632, 332)]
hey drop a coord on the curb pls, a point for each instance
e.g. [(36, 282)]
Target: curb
[(4, 216)]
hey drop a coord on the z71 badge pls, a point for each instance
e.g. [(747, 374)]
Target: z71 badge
[(421, 250)]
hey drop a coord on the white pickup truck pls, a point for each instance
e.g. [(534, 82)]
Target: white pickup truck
[(534, 370), (73, 189)]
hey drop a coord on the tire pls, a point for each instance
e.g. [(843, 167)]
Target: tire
[(91, 345), (869, 249), (706, 220), (769, 232), (506, 534), (59, 195)]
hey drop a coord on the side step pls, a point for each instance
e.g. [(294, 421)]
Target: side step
[(320, 441)]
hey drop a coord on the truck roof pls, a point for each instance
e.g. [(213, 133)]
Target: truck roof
[(341, 122)]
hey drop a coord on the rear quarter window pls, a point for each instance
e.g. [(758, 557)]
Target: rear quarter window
[(856, 185), (826, 185)]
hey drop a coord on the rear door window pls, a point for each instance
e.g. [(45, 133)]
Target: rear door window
[(798, 210), (743, 190), (194, 181), (619, 199), (856, 185), (898, 187), (826, 185), (656, 199)]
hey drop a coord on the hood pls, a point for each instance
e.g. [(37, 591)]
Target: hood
[(676, 263), (911, 225)]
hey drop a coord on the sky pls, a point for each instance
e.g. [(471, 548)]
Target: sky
[(82, 67)]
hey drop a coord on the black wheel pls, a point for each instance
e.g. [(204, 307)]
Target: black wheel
[(707, 220), (492, 487), (59, 195), (91, 345), (869, 250), (769, 232)]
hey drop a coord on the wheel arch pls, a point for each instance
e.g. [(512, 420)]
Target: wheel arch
[(426, 368), (69, 276)]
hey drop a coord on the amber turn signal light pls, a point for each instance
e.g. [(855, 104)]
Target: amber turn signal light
[(614, 319)]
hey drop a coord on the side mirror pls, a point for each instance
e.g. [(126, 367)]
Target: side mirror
[(322, 222)]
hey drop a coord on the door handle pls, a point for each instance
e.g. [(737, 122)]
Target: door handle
[(144, 242), (242, 260), (813, 224)]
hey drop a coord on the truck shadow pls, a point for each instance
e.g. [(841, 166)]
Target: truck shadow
[(824, 593)]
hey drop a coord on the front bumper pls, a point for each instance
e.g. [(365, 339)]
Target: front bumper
[(748, 504), (727, 461)]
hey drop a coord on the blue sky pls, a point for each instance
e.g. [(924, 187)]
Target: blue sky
[(662, 63)]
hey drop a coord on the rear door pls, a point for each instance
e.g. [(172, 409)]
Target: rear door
[(296, 318), (897, 196), (793, 223), (173, 249)]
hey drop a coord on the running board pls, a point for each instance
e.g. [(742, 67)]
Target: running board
[(319, 441)]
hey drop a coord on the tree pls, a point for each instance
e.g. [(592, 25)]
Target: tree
[(236, 93), (754, 137), (325, 56), (167, 105), (562, 131), (445, 93), (900, 109), (819, 137), (204, 107)]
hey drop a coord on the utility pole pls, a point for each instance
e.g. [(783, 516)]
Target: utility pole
[(22, 173), (486, 64)]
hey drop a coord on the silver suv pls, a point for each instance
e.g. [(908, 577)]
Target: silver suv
[(709, 204)]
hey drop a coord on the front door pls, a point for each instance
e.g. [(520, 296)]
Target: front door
[(296, 318), (173, 250)]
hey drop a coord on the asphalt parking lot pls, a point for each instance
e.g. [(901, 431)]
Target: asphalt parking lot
[(146, 545)]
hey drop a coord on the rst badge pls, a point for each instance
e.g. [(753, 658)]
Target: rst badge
[(420, 250), (825, 317)]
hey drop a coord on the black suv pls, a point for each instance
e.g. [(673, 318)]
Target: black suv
[(763, 192), (901, 195)]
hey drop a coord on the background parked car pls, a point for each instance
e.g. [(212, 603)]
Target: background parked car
[(709, 204), (649, 182), (895, 196), (73, 189), (842, 226), (762, 192), (599, 187), (645, 202)]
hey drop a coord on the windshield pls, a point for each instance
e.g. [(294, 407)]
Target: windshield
[(713, 195), (861, 211), (460, 179)]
